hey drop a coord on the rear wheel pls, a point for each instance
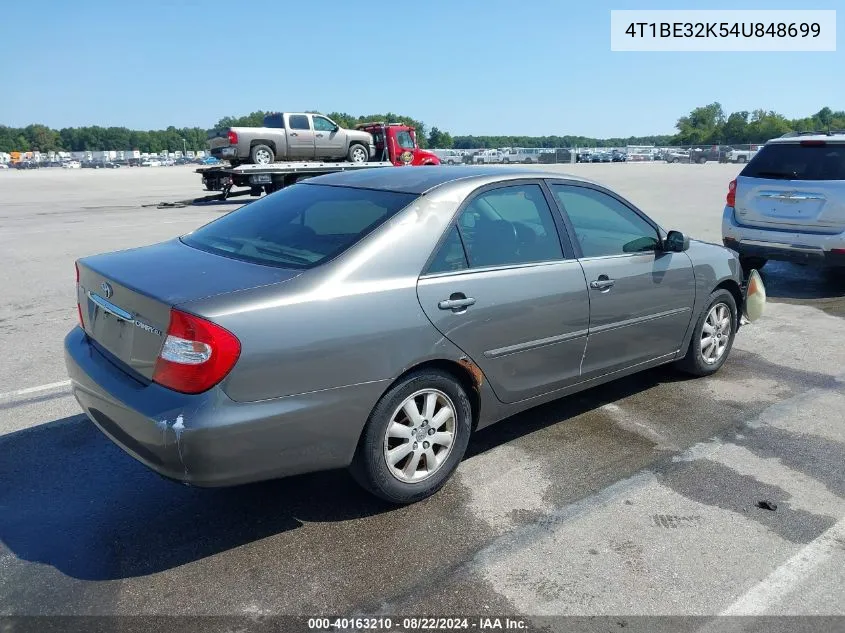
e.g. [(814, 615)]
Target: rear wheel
[(713, 336), (702, 160), (262, 155), (740, 159), (357, 153), (748, 263), (414, 439)]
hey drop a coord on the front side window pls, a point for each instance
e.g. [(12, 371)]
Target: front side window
[(322, 124), (509, 225), (299, 122), (404, 139), (300, 226), (603, 225)]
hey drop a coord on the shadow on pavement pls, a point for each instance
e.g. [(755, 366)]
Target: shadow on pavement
[(71, 499), (806, 285)]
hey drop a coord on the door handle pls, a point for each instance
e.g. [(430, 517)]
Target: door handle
[(457, 303), (294, 134), (603, 283), (319, 136)]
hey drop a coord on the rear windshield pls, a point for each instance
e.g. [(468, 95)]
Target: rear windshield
[(300, 226), (791, 161), (274, 120)]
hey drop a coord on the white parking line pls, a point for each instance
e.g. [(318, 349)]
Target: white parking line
[(784, 579), (30, 390)]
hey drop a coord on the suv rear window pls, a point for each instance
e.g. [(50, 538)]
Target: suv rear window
[(792, 161), (300, 226)]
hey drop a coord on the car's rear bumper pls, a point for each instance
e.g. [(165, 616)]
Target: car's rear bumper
[(209, 439), (225, 152), (780, 245)]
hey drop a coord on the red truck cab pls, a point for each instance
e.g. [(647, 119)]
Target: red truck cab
[(401, 148)]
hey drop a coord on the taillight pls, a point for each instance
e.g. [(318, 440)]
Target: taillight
[(78, 305), (233, 137), (197, 354), (813, 143), (731, 199)]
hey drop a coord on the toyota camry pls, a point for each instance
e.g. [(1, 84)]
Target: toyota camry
[(374, 320)]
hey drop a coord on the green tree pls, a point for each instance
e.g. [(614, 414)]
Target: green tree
[(438, 139)]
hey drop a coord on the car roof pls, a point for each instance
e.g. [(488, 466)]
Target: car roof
[(833, 137), (422, 179)]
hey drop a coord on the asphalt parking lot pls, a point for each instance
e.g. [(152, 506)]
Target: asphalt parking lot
[(634, 498)]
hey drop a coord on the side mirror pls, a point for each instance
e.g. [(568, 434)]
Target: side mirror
[(676, 242)]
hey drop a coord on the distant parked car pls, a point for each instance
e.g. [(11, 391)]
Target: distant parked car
[(584, 157), (27, 164), (151, 162), (676, 156), (209, 160), (4, 166), (72, 164), (618, 157)]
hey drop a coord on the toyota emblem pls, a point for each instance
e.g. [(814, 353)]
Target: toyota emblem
[(107, 289)]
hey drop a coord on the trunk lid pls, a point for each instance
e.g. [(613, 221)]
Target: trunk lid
[(793, 186), (126, 296)]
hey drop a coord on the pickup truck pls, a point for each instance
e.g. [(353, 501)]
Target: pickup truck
[(742, 155), (298, 136), (488, 156)]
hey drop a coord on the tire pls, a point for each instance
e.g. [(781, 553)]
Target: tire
[(721, 302), (748, 263), (675, 160), (358, 153), (506, 161), (262, 155), (370, 465), (702, 160), (740, 159), (450, 162)]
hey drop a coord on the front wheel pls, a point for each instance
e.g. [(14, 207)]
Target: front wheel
[(713, 336), (358, 154), (414, 439)]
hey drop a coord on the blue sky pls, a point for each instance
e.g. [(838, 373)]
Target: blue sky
[(467, 66)]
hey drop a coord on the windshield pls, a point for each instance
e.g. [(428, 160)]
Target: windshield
[(300, 226), (791, 161)]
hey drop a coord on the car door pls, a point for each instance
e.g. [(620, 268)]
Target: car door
[(505, 288), (641, 297), (300, 137), (329, 139)]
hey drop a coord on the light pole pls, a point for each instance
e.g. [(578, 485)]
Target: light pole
[(184, 148)]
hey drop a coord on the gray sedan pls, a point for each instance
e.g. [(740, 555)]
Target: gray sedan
[(375, 319)]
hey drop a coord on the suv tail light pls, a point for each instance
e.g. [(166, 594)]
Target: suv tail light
[(813, 143), (233, 137), (197, 354), (731, 199), (78, 305)]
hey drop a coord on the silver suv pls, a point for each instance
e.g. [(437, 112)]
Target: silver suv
[(788, 203)]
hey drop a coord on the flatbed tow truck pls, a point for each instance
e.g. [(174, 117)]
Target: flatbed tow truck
[(396, 146)]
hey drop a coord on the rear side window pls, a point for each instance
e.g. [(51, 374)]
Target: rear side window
[(791, 161), (274, 120), (509, 225), (299, 122), (300, 226)]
